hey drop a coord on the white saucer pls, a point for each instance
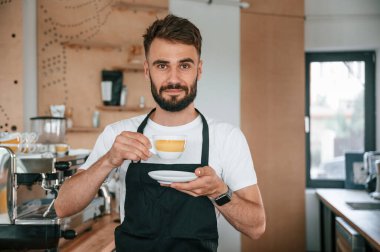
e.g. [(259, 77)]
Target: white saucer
[(167, 177)]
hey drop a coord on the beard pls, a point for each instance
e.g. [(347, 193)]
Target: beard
[(174, 104)]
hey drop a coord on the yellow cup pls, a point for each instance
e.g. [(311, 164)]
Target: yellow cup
[(61, 149), (10, 140), (168, 147)]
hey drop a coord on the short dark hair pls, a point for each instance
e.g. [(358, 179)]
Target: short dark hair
[(174, 29)]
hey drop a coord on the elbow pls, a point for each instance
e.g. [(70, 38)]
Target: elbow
[(59, 209), (258, 230)]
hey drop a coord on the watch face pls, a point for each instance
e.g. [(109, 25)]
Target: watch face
[(223, 200)]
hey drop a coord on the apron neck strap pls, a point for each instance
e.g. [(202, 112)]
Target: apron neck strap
[(205, 135), (205, 141), (141, 128)]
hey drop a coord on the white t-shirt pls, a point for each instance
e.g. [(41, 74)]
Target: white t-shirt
[(229, 154)]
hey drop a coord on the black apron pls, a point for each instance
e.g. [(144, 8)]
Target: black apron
[(163, 219)]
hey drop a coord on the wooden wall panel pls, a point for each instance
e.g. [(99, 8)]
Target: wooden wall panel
[(272, 114), (277, 7), (76, 41), (11, 62)]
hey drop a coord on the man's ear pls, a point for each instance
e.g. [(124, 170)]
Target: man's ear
[(200, 69), (146, 69)]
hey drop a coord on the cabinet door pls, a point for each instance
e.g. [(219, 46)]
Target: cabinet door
[(272, 112), (342, 245)]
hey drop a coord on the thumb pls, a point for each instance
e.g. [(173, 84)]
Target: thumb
[(203, 171)]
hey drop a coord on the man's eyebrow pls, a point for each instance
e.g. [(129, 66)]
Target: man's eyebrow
[(186, 60), (156, 62), (160, 61)]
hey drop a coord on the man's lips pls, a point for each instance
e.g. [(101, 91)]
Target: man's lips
[(173, 91)]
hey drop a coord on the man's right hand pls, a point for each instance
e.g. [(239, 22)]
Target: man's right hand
[(129, 146)]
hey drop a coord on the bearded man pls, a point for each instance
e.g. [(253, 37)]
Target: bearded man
[(177, 216)]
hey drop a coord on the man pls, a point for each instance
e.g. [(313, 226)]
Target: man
[(178, 216)]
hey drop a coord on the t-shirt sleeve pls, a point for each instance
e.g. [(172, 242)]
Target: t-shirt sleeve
[(238, 170), (102, 145)]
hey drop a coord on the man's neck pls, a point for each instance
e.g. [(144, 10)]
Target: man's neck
[(166, 118)]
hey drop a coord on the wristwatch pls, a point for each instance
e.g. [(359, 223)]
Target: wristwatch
[(223, 198)]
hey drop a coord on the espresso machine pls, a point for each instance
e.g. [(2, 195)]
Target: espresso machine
[(372, 166), (28, 187)]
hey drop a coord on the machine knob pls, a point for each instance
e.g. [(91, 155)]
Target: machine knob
[(68, 234)]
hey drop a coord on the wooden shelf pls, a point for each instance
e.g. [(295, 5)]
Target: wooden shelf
[(83, 129), (123, 108), (92, 45), (124, 6)]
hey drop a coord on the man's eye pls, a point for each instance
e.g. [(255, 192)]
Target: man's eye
[(185, 66), (161, 66)]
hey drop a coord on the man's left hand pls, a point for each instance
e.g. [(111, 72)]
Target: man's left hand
[(207, 184)]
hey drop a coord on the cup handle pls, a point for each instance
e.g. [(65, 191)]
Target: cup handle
[(29, 137), (32, 148), (23, 138), (153, 149), (33, 136), (22, 148), (27, 148)]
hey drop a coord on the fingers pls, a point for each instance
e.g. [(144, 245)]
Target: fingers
[(135, 146), (189, 189), (130, 146), (138, 137), (198, 187), (206, 184), (204, 171)]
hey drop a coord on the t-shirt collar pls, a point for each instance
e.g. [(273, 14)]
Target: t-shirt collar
[(180, 128)]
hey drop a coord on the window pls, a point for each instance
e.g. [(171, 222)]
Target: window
[(340, 113)]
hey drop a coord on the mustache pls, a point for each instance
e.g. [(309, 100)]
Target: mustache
[(174, 86)]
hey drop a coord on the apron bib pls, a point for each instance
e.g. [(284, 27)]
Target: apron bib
[(163, 219)]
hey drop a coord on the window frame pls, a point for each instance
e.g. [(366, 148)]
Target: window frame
[(369, 57)]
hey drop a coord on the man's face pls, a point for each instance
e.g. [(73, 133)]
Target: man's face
[(173, 69)]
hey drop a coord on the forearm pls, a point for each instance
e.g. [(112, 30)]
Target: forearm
[(79, 190), (246, 216)]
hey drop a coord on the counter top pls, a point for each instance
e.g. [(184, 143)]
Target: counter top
[(365, 222)]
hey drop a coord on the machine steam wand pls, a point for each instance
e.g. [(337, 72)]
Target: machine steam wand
[(50, 189)]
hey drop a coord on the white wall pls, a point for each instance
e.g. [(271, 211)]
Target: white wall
[(340, 25), (219, 88), (30, 61)]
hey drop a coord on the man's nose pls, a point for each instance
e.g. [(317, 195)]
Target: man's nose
[(174, 76)]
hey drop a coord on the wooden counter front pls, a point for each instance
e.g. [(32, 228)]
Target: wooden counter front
[(99, 238)]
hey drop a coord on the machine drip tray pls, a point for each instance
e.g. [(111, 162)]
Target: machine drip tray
[(34, 215), (29, 236)]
